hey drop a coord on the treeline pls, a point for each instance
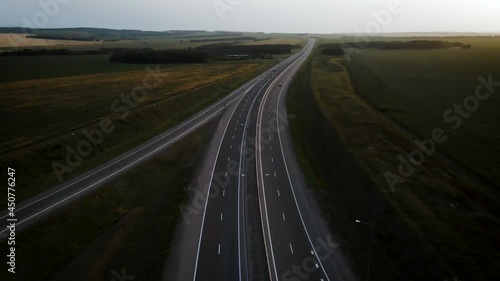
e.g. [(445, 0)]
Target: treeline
[(218, 34), (159, 56), (200, 54), (221, 50), (224, 39), (336, 49), (50, 52)]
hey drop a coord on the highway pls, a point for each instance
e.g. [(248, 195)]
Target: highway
[(221, 253)]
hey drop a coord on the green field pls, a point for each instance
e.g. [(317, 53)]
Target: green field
[(442, 218), (416, 87)]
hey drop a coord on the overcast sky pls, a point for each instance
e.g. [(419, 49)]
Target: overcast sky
[(291, 16)]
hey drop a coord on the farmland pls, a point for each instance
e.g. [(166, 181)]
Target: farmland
[(94, 39), (416, 87), (46, 115), (366, 112), (20, 41)]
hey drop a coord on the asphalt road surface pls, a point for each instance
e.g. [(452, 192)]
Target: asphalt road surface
[(298, 243)]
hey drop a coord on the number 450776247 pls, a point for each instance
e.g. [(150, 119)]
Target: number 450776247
[(11, 196)]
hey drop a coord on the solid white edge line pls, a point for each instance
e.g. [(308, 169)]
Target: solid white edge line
[(291, 187), (259, 154), (210, 186)]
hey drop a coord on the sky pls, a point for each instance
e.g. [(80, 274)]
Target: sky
[(289, 16)]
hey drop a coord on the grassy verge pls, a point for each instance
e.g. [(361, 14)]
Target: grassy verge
[(128, 223), (416, 87), (439, 224), (42, 126)]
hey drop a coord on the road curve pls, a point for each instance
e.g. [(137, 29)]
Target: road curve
[(299, 244)]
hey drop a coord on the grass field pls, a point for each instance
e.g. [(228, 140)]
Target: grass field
[(20, 41), (415, 88), (123, 226), (441, 223), (29, 68), (49, 114)]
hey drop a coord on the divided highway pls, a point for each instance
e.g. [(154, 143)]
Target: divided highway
[(221, 253)]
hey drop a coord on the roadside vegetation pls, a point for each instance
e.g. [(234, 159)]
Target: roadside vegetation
[(440, 223), (127, 223)]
